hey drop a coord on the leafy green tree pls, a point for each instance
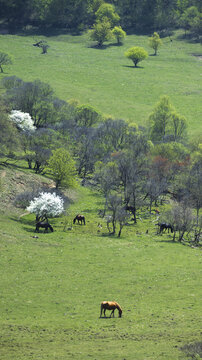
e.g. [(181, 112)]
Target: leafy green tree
[(172, 151), (181, 218), (27, 95), (160, 118), (101, 32), (132, 166), (119, 34), (179, 125), (194, 185), (87, 115), (111, 136), (196, 26), (107, 12), (165, 123), (9, 137), (106, 176), (155, 42), (85, 151), (62, 168), (188, 17), (41, 143), (136, 54), (5, 59)]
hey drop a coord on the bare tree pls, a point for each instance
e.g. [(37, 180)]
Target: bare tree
[(181, 218)]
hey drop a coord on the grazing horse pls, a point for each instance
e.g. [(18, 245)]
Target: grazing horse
[(44, 225), (164, 226), (80, 219), (110, 305)]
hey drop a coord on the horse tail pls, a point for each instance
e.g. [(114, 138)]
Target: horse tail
[(50, 227), (74, 220), (84, 221)]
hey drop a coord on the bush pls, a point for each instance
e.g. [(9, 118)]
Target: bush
[(136, 54), (119, 34)]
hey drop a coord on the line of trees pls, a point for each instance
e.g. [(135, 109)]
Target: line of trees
[(134, 168), (81, 14)]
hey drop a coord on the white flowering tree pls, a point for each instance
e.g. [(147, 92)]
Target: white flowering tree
[(23, 121), (46, 205)]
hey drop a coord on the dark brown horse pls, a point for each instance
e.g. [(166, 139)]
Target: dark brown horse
[(43, 225), (80, 219), (110, 305), (164, 226)]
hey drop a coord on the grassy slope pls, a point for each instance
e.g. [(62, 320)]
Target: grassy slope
[(52, 286), (107, 80)]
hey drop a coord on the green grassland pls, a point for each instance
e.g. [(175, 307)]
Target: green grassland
[(106, 79), (52, 286)]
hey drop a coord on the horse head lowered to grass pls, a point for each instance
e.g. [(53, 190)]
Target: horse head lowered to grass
[(110, 305), (43, 225), (164, 226), (80, 219)]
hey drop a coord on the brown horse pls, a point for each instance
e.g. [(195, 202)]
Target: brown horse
[(80, 219), (110, 305), (43, 225)]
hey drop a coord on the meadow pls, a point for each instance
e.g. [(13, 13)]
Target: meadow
[(107, 80), (52, 285)]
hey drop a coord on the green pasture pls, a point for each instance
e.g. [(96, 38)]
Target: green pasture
[(106, 79), (52, 286)]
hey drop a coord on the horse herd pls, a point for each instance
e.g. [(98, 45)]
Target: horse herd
[(45, 224), (105, 305), (81, 220)]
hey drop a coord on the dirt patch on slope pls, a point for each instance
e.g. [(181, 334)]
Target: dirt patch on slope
[(14, 182)]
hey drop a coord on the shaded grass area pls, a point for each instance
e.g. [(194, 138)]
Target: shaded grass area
[(107, 80), (52, 286)]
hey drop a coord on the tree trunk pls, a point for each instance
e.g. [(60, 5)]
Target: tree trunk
[(119, 234)]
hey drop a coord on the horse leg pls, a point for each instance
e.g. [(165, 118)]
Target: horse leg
[(104, 312), (101, 311), (112, 313)]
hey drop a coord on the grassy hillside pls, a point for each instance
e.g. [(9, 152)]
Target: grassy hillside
[(107, 80), (52, 286)]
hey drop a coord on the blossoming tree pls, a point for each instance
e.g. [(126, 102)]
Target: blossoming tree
[(23, 121), (46, 205)]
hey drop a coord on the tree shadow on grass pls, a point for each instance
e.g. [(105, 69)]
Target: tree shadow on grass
[(22, 220), (115, 45), (97, 47), (88, 211), (190, 38), (9, 165), (170, 241), (104, 46), (133, 67), (30, 230), (109, 234)]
